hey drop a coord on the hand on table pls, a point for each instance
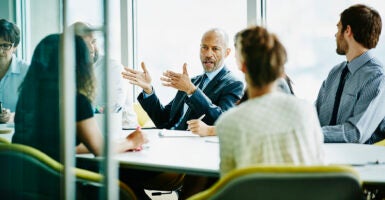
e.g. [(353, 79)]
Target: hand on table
[(5, 115)]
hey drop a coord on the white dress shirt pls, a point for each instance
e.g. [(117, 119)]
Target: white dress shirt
[(122, 93)]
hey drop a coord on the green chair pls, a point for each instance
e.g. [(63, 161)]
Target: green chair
[(286, 182), (27, 173)]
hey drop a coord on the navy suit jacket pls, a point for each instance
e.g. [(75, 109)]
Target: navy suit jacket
[(221, 93)]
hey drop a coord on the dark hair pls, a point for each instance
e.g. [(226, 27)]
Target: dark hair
[(39, 104), (45, 65), (262, 53), (365, 23), (9, 32)]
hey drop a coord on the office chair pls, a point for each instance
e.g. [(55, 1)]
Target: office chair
[(380, 143), (286, 182), (143, 119), (4, 140), (27, 173)]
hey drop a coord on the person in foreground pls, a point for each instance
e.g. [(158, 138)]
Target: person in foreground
[(37, 111), (209, 94), (12, 69), (270, 127), (197, 126), (350, 103)]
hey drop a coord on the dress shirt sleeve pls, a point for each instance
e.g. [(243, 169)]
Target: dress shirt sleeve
[(369, 111), (158, 113)]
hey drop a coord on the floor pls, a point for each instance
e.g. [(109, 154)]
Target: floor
[(172, 196)]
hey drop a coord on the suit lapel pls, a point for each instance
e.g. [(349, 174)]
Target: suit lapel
[(216, 79), (179, 100)]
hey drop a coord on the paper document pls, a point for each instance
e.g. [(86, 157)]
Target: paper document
[(212, 139), (176, 133)]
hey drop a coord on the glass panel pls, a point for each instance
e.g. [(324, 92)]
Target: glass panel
[(307, 31), (169, 34)]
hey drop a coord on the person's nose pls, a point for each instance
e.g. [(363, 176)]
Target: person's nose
[(209, 53)]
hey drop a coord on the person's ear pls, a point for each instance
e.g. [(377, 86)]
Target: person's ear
[(244, 68), (228, 51), (14, 49), (348, 31)]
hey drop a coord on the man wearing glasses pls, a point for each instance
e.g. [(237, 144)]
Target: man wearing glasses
[(12, 69)]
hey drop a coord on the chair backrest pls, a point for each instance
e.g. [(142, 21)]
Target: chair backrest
[(380, 143), (4, 140), (143, 119), (27, 173), (287, 182)]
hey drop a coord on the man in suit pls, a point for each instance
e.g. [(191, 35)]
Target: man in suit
[(208, 95), (350, 103)]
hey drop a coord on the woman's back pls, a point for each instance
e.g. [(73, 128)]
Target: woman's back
[(37, 111)]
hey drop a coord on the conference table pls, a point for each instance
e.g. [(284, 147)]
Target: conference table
[(183, 152)]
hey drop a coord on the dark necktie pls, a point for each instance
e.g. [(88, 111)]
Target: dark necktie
[(345, 71), (181, 124), (202, 82)]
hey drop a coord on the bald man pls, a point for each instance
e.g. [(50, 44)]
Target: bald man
[(207, 95)]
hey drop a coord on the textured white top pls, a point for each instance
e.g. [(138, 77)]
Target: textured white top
[(275, 128)]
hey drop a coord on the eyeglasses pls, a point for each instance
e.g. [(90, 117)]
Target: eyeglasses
[(6, 46)]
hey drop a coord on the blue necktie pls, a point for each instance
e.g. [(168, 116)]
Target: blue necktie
[(341, 85)]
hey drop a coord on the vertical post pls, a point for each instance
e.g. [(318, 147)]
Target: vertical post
[(109, 166), (251, 12), (253, 8), (67, 91)]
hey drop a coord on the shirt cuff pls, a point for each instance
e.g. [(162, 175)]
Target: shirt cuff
[(145, 95)]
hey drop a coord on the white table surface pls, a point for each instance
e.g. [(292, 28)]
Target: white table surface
[(200, 156)]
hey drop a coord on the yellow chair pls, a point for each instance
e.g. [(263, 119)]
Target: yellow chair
[(4, 140), (143, 119), (27, 173), (380, 143), (286, 182)]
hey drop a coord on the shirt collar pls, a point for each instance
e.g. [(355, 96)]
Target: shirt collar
[(211, 75), (13, 68), (356, 63)]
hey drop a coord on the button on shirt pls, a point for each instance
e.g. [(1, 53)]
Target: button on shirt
[(9, 84), (362, 105)]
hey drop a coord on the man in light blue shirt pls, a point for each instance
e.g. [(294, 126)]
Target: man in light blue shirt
[(351, 101), (12, 69)]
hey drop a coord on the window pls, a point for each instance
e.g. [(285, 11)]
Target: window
[(307, 31), (169, 34)]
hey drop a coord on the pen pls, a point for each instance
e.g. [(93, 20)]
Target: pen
[(201, 117)]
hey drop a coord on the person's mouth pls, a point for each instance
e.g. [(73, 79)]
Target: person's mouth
[(208, 62)]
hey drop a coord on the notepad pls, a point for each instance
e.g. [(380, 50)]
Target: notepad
[(176, 133)]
